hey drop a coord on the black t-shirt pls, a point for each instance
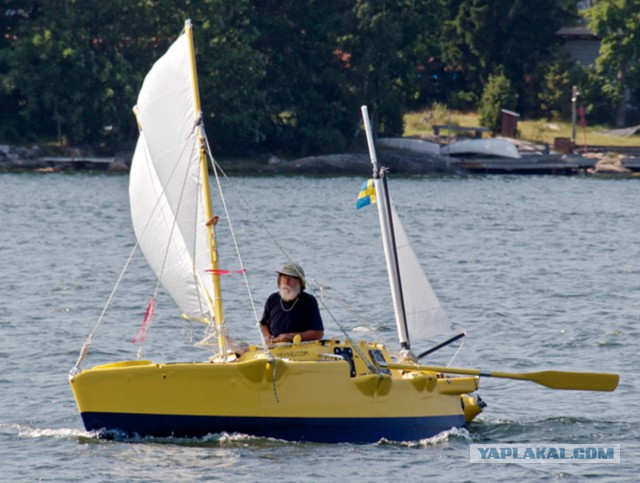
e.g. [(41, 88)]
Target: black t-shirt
[(296, 316)]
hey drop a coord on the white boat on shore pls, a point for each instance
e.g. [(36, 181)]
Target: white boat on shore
[(410, 144), (494, 147)]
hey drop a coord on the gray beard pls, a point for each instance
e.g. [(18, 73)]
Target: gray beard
[(288, 294)]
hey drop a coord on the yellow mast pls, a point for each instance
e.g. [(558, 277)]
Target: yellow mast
[(206, 195)]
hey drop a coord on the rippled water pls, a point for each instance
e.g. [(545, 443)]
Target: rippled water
[(541, 272)]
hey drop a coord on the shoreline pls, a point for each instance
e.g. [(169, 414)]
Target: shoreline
[(398, 161)]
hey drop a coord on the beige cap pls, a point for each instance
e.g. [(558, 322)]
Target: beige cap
[(293, 270)]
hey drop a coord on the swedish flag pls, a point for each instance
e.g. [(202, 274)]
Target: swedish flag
[(367, 194)]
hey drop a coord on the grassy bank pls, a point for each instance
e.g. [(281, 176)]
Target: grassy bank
[(537, 131)]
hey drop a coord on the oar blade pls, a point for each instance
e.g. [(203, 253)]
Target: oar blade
[(576, 381)]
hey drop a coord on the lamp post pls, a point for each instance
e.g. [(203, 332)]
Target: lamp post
[(574, 99)]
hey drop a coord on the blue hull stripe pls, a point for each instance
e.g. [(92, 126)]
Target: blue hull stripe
[(321, 430)]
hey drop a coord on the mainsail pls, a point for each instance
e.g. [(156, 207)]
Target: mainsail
[(424, 315), (165, 187)]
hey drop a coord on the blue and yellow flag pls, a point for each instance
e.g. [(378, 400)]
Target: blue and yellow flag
[(367, 194)]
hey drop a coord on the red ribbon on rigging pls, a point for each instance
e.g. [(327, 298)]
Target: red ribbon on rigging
[(146, 323), (225, 272)]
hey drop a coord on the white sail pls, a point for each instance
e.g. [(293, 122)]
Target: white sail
[(165, 185), (424, 316)]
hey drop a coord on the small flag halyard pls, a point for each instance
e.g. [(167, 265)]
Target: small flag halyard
[(367, 194)]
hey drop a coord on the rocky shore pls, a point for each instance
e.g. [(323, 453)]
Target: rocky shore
[(398, 161), (403, 162), (36, 158)]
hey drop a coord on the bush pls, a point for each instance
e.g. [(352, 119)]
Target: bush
[(463, 100), (498, 94)]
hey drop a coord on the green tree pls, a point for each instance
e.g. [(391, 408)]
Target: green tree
[(304, 89), (232, 73), (392, 39), (518, 35), (70, 68), (279, 75), (618, 23), (75, 67), (498, 94), (325, 59), (555, 91)]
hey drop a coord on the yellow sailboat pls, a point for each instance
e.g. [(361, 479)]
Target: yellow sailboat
[(334, 390)]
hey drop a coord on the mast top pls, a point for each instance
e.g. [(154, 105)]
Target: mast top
[(372, 149)]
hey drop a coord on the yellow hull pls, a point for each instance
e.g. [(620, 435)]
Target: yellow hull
[(303, 392)]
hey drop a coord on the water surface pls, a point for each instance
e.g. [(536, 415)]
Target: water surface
[(541, 272)]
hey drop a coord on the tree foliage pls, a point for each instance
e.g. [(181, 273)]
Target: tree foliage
[(556, 88), (498, 94), (288, 75), (273, 73), (618, 66), (518, 36), (305, 90), (392, 38)]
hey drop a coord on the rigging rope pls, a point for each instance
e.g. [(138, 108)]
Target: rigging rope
[(455, 354), (84, 350), (217, 168)]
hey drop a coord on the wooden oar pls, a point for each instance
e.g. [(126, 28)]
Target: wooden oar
[(578, 381)]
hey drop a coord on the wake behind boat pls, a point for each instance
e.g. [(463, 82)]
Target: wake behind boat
[(335, 390)]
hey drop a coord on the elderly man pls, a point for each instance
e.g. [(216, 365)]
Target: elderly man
[(291, 311)]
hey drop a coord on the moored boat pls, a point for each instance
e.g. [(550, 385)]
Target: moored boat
[(493, 147)]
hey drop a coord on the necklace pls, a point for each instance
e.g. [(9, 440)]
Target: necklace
[(290, 308)]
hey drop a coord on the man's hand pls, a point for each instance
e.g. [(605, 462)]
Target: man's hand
[(283, 338)]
